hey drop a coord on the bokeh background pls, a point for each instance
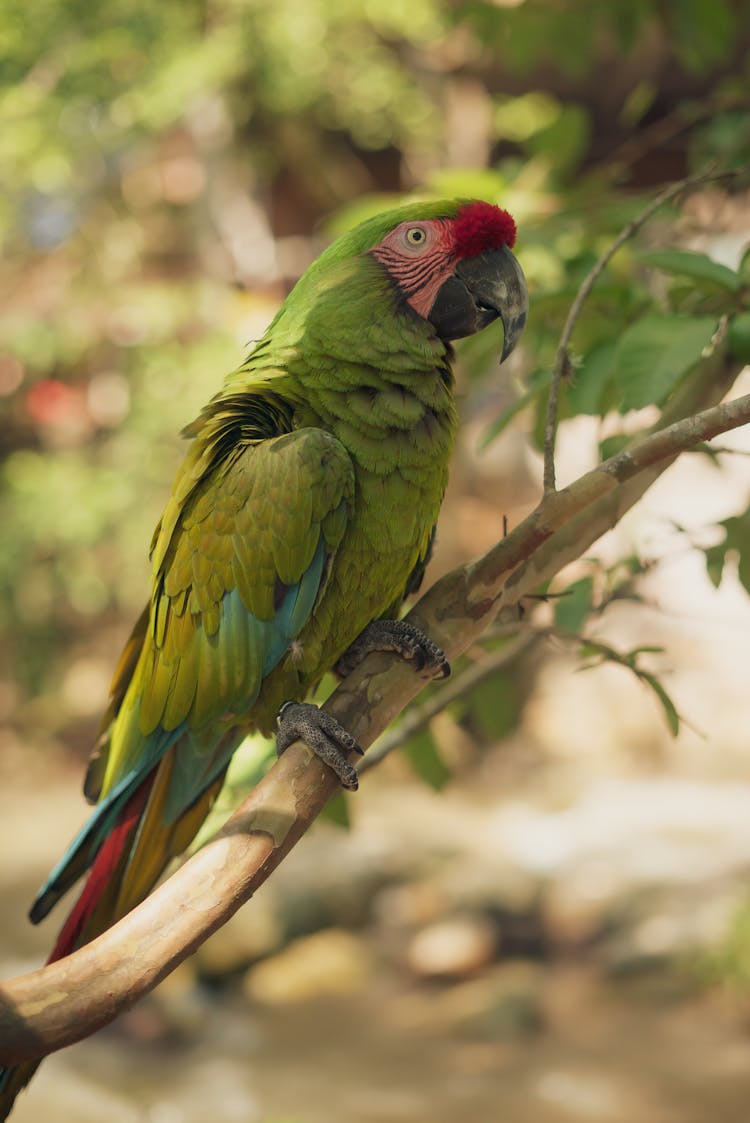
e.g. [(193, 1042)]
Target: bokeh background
[(539, 910)]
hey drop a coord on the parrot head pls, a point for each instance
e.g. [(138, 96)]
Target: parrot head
[(401, 286), (453, 266)]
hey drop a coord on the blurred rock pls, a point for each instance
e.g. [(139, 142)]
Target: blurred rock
[(577, 905), (494, 884), (145, 1024), (59, 1093), (219, 1091), (328, 963), (512, 1004), (332, 880), (182, 1004), (581, 1095), (409, 905), (453, 948), (503, 1003), (666, 933)]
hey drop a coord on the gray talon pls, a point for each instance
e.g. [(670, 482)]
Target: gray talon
[(321, 733), (403, 638)]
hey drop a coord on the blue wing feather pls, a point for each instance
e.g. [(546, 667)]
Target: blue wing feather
[(194, 769)]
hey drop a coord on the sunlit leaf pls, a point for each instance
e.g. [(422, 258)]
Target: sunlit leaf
[(565, 140), (736, 542), (638, 102), (667, 705)]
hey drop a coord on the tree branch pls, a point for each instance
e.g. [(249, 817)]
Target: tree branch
[(75, 996), (420, 716)]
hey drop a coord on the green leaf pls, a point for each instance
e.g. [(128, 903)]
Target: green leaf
[(610, 446), (670, 710), (598, 653), (493, 706), (593, 652), (336, 811), (627, 21), (743, 565), (564, 141), (574, 606), (744, 269), (697, 266), (702, 32), (736, 541), (738, 337), (638, 102), (716, 557), (587, 390), (423, 756), (655, 352), (738, 538)]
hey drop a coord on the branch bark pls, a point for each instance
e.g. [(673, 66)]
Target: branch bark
[(69, 999)]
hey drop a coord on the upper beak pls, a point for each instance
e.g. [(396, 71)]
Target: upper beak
[(480, 290)]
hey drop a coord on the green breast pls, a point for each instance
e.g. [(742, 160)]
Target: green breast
[(400, 446)]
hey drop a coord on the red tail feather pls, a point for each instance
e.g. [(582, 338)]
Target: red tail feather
[(102, 871)]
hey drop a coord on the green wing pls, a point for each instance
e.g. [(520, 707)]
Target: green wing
[(238, 566)]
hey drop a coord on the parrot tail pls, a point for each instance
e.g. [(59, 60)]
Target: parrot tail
[(127, 864), (12, 1081), (113, 854)]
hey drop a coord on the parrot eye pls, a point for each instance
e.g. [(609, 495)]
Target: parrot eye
[(416, 236)]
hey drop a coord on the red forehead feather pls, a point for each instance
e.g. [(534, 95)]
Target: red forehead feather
[(482, 226)]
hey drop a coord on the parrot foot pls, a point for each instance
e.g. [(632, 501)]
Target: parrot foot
[(403, 638), (321, 733)]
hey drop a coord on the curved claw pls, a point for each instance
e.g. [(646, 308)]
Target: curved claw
[(321, 733), (403, 638)]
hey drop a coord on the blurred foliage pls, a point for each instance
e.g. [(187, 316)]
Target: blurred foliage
[(729, 963), (164, 173)]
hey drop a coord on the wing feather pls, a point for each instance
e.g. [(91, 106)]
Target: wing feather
[(234, 585)]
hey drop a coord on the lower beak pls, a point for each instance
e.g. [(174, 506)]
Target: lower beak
[(480, 290)]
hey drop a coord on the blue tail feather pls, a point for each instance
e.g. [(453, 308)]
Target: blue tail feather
[(86, 844)]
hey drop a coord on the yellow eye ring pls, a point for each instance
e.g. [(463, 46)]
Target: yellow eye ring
[(416, 236)]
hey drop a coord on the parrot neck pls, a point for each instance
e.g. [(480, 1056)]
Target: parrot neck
[(350, 324), (349, 355)]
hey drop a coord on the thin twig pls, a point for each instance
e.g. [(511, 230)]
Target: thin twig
[(563, 363), (420, 716), (660, 133)]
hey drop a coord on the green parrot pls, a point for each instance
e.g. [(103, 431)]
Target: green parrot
[(301, 518)]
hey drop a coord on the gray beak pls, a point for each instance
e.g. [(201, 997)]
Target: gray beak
[(497, 286)]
